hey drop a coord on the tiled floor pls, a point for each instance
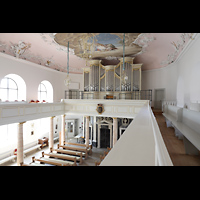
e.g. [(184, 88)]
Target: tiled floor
[(89, 161)]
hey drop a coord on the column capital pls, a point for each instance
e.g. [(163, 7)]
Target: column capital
[(53, 117), (22, 122), (114, 117)]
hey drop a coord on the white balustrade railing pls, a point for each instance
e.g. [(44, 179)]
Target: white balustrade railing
[(140, 145)]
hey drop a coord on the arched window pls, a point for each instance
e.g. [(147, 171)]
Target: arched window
[(45, 91), (12, 88), (42, 92), (9, 89)]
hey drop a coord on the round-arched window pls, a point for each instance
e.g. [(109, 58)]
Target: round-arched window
[(12, 88), (42, 92), (45, 91)]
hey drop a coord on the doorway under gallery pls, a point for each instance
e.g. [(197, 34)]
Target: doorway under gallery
[(159, 97)]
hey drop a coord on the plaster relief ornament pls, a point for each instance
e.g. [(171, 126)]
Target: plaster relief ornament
[(20, 48)]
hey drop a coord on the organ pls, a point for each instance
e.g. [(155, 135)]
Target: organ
[(101, 81)]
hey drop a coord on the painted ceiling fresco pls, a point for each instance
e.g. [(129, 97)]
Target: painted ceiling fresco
[(154, 50)]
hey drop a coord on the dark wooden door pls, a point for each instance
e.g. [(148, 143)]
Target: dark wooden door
[(105, 138)]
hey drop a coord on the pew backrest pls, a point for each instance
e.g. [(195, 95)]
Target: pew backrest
[(191, 119), (173, 112)]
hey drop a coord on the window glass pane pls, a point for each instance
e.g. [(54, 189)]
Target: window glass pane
[(12, 95), (39, 98), (12, 84), (3, 94), (43, 96), (42, 87), (4, 83)]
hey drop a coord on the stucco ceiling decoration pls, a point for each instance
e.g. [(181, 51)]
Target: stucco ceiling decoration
[(99, 45), (154, 50)]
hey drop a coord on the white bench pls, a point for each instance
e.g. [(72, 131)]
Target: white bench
[(187, 127), (171, 114), (12, 157), (32, 148)]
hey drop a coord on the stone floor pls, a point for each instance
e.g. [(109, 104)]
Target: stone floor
[(89, 161)]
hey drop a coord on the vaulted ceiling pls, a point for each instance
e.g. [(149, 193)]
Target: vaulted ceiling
[(154, 50)]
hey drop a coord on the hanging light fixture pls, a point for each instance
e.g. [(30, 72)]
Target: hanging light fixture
[(124, 76), (67, 81)]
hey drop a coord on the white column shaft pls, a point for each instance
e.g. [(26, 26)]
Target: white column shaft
[(115, 130), (20, 144), (87, 132)]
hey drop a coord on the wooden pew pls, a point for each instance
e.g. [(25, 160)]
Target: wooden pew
[(60, 156), (32, 164), (108, 149), (97, 163), (77, 154), (79, 149), (64, 156), (53, 161), (81, 145)]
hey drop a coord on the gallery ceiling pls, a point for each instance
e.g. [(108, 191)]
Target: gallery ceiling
[(154, 50)]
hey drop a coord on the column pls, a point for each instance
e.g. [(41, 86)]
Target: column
[(99, 137), (87, 131), (83, 126), (51, 133), (115, 130), (62, 130), (20, 144), (94, 130), (110, 127)]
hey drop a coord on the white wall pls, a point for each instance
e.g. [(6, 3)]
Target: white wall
[(34, 74), (181, 79), (161, 78)]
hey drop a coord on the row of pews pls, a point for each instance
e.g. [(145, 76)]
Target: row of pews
[(97, 163), (68, 154)]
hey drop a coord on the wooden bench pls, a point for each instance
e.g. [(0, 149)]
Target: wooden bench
[(53, 161), (79, 149), (68, 155), (89, 149), (187, 127), (32, 164)]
